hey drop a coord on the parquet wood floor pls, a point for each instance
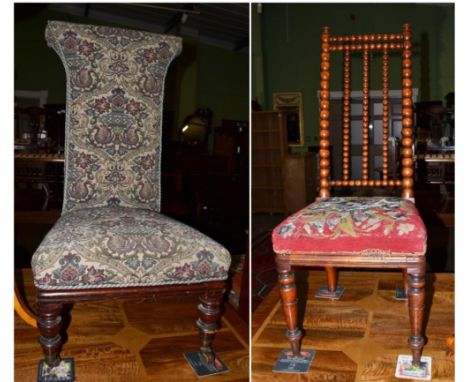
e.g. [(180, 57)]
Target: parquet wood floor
[(358, 337), (135, 341)]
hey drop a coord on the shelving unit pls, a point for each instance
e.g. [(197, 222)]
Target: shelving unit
[(268, 153), (300, 180)]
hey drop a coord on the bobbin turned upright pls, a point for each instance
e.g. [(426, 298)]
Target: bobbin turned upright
[(359, 232)]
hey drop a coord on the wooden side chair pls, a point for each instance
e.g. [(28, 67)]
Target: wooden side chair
[(111, 242), (364, 232)]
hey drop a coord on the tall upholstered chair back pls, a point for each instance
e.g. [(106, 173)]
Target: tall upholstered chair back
[(115, 88), (366, 44)]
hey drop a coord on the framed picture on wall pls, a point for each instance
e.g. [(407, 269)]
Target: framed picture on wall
[(292, 104)]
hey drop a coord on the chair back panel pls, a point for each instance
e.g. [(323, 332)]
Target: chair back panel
[(115, 85), (366, 44)]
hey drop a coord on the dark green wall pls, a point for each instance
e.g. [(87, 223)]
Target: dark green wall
[(36, 66), (223, 82), (203, 76), (291, 49)]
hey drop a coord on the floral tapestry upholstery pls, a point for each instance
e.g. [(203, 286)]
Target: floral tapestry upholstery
[(111, 233), (115, 86), (354, 225), (120, 246)]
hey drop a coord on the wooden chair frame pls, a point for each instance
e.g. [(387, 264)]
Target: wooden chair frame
[(413, 266)]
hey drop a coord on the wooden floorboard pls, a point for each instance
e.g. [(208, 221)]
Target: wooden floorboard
[(358, 337), (135, 341)]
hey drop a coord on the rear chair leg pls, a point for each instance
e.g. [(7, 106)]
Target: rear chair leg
[(289, 297), (401, 293), (209, 313), (405, 280), (49, 323), (331, 291), (331, 278), (416, 297)]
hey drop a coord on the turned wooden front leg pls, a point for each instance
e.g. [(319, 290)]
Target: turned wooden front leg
[(331, 278), (49, 323), (289, 298), (416, 297), (209, 312)]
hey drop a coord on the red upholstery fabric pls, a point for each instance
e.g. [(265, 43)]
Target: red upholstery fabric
[(353, 225)]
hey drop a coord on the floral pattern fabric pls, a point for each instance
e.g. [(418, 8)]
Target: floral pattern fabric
[(120, 246), (115, 86), (110, 233), (353, 225)]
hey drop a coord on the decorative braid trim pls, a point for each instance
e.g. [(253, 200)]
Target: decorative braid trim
[(366, 252), (142, 284)]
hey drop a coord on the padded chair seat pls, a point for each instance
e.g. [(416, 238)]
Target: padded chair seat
[(353, 225), (121, 246)]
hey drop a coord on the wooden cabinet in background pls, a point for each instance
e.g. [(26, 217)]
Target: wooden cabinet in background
[(232, 140), (299, 181), (268, 152)]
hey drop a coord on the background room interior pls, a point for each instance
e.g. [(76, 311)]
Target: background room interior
[(204, 175), (286, 58)]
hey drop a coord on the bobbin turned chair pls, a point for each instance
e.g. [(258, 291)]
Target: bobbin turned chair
[(111, 242), (364, 232)]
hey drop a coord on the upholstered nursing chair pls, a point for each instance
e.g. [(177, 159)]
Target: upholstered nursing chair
[(364, 232), (111, 240)]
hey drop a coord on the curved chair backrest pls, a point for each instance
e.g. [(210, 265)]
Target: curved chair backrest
[(115, 86), (367, 44)]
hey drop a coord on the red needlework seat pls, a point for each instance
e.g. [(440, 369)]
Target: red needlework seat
[(353, 225)]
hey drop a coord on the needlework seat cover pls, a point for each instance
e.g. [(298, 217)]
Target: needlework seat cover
[(121, 246), (353, 225), (111, 233)]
